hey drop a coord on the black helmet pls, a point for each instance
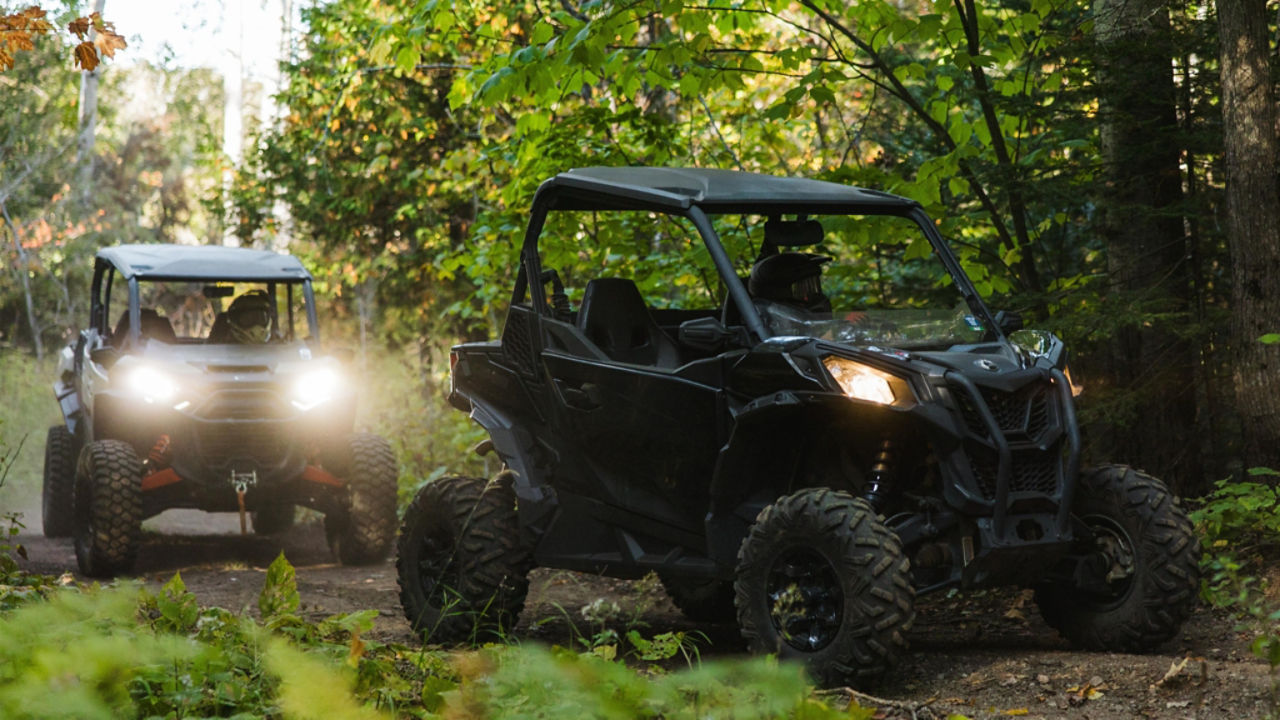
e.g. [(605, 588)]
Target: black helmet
[(791, 277), (249, 317)]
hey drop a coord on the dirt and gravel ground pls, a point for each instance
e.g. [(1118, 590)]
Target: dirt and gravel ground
[(983, 655)]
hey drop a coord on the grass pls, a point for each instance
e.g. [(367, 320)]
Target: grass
[(29, 408)]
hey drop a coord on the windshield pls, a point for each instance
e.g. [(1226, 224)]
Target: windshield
[(185, 312), (863, 280)]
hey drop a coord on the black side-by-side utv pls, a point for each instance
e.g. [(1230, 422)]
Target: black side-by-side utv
[(809, 451)]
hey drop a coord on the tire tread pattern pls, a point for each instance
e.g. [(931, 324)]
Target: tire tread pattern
[(487, 578), (59, 480), (107, 508), (876, 575), (1168, 578), (365, 534)]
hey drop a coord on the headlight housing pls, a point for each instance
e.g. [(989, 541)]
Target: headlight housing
[(859, 381), (315, 387), (150, 384)]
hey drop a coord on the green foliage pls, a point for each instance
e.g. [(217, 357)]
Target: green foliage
[(123, 652), (1240, 527), (532, 682)]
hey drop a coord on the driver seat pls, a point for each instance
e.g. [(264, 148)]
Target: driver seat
[(614, 316)]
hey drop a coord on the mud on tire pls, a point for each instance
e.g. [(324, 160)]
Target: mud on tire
[(59, 480), (107, 503), (820, 580), (1141, 529), (362, 534), (463, 568)]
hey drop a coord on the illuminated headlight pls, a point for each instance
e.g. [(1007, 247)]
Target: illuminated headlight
[(315, 387), (859, 381), (151, 384)]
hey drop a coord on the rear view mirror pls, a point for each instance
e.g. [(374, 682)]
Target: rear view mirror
[(792, 233), (217, 291), (104, 356), (1008, 321)]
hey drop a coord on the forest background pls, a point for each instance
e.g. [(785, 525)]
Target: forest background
[(1108, 168)]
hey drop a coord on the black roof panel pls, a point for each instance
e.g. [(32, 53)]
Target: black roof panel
[(714, 191), (202, 262)]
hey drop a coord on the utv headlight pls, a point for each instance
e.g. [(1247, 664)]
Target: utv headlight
[(859, 381), (151, 384), (315, 387)]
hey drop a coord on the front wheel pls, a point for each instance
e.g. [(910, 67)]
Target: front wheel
[(361, 533), (107, 508), (1139, 582), (462, 566), (821, 580)]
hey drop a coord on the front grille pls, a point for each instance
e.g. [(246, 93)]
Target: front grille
[(1031, 470), (1024, 413), (1024, 417), (265, 443)]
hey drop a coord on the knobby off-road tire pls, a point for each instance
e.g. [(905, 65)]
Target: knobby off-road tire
[(699, 599), (59, 481), (821, 580), (463, 568), (362, 534), (1126, 507), (274, 518), (107, 503)]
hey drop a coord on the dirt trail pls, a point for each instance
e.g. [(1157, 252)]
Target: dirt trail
[(982, 655)]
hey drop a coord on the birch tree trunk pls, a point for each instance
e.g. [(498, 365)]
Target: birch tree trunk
[(88, 123)]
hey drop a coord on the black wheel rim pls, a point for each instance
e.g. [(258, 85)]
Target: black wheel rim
[(1119, 560), (806, 602)]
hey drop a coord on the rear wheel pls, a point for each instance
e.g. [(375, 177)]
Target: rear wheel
[(107, 508), (273, 518), (1140, 583), (59, 481), (361, 533), (820, 580), (462, 567)]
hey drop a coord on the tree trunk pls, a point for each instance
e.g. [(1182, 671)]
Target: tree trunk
[(1145, 241), (88, 123), (24, 273), (1252, 223)]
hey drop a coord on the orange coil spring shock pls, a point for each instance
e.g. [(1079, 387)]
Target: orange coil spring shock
[(159, 456)]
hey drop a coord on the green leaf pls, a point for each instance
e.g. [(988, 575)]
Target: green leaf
[(1270, 339), (279, 594)]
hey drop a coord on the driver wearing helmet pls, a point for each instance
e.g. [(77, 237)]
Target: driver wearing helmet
[(249, 319)]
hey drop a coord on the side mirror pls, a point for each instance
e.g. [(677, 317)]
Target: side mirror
[(705, 333), (1008, 321), (104, 356)]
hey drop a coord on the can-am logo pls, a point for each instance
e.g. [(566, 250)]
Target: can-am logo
[(986, 364)]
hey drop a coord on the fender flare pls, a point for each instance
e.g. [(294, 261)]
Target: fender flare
[(518, 451)]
